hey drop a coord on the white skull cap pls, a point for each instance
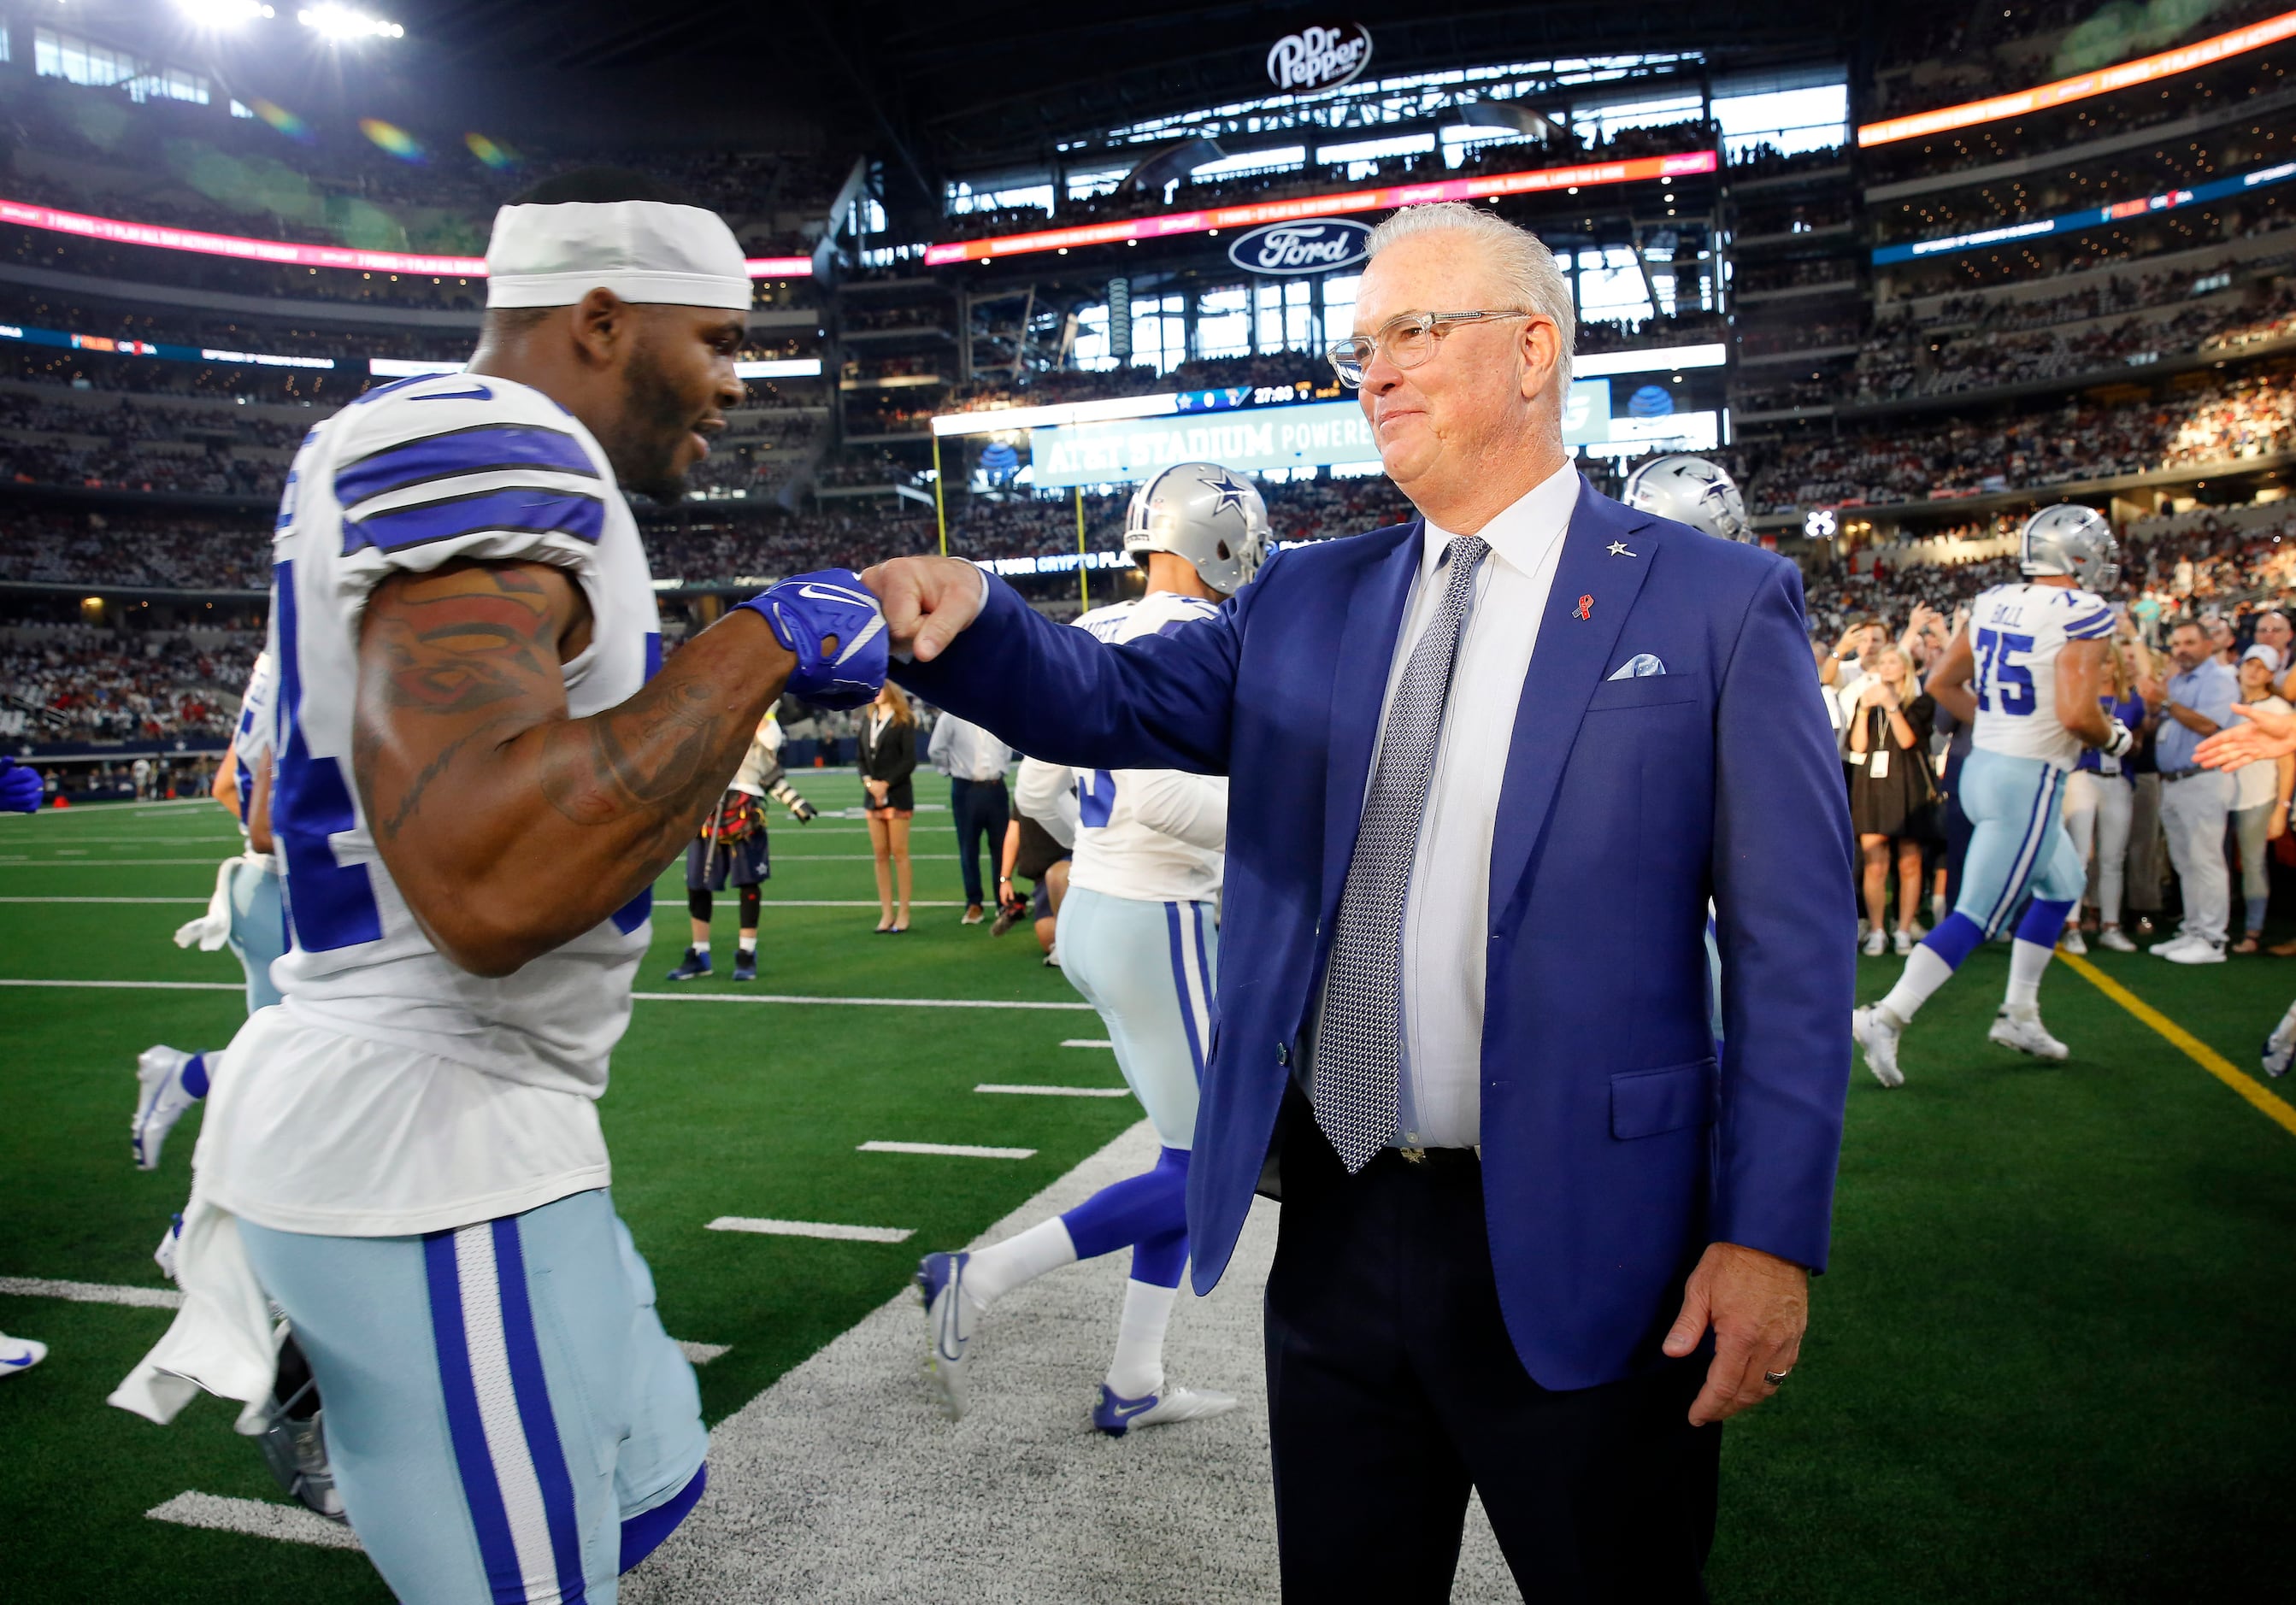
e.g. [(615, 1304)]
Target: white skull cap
[(642, 250)]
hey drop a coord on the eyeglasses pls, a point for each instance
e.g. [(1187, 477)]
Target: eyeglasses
[(1408, 340)]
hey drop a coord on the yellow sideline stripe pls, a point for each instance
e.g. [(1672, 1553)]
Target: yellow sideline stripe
[(2216, 1064)]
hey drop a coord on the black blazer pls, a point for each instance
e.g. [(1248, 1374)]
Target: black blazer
[(892, 756)]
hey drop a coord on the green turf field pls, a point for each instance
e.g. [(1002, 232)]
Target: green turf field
[(2045, 1366)]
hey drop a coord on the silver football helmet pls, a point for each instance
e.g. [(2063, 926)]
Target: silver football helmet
[(1692, 491), (1200, 511), (2070, 540)]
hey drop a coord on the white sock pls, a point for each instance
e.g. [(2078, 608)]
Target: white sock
[(1936, 910), (997, 1269), (701, 947), (1924, 973), (1137, 1370), (2026, 960), (747, 943)]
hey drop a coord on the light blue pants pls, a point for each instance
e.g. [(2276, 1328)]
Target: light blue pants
[(1147, 966), (498, 1399), (2017, 844), (258, 930)]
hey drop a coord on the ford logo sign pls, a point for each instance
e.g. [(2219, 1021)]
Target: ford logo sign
[(1318, 246), (1316, 59)]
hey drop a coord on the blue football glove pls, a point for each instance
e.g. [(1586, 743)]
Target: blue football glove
[(19, 787), (806, 609)]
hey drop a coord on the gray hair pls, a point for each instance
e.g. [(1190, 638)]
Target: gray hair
[(1534, 282)]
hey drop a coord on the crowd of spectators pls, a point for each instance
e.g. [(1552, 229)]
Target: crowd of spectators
[(2222, 419), (76, 682)]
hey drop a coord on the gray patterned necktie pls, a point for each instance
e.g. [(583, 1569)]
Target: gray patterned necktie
[(1359, 1038)]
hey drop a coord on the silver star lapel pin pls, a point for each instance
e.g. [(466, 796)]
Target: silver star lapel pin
[(1619, 549)]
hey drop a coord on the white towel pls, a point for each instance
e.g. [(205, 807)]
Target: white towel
[(220, 1340), (212, 928)]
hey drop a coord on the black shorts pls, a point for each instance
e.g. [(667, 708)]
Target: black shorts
[(709, 867)]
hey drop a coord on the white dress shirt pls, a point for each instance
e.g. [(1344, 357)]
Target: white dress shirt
[(963, 750), (1446, 914)]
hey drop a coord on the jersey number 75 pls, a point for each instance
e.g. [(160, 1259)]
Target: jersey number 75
[(1999, 673)]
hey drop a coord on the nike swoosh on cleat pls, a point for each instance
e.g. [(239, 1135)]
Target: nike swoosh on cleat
[(27, 1360), (1120, 1411)]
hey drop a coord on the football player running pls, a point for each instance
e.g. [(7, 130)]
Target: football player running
[(1138, 936), (2026, 670), (480, 775), (244, 914)]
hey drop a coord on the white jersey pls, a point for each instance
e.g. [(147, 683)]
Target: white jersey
[(2016, 632), (1156, 835), (409, 477)]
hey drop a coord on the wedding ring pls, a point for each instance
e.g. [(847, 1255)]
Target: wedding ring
[(1775, 1377)]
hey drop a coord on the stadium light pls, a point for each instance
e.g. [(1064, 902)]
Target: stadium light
[(223, 14), (339, 22)]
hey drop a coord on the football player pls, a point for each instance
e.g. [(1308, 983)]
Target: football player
[(480, 775), (1692, 491), (1138, 936), (245, 914), (733, 848), (2026, 670), (20, 793)]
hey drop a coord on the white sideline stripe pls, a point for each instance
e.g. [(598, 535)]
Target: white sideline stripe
[(257, 1517), (137, 986), (1056, 1091), (92, 1292), (700, 1354), (104, 863), (644, 997), (1088, 1041), (955, 1150), (841, 1003), (766, 1227), (198, 900)]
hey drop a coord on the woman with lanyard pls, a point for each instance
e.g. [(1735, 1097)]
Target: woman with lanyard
[(1892, 796), (2100, 797)]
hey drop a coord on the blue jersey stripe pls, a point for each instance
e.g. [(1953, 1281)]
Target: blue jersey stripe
[(531, 1390), (2089, 628), (523, 509), (481, 1493), (481, 448)]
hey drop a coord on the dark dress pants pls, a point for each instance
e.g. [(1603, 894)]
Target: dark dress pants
[(1393, 1388), (980, 809)]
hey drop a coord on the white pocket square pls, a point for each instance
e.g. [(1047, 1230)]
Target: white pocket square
[(1640, 667)]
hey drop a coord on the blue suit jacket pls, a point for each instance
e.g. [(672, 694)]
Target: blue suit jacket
[(1614, 1149)]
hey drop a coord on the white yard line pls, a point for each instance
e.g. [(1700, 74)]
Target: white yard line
[(831, 1230), (200, 901), (953, 1150), (1056, 1091), (257, 1517), (208, 864), (92, 1292), (1088, 1042), (702, 1354), (644, 997)]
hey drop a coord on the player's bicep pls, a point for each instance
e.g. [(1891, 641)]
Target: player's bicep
[(2081, 678), (452, 663)]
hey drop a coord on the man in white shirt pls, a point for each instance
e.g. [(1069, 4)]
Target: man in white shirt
[(975, 762), (1518, 1190)]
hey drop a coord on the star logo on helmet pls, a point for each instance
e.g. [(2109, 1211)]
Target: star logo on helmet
[(1230, 493)]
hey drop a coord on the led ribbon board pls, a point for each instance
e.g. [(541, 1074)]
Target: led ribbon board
[(2081, 86), (15, 334), (1394, 196), (115, 231), (2091, 216)]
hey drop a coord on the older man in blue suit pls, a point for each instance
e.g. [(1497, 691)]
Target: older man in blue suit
[(1487, 769)]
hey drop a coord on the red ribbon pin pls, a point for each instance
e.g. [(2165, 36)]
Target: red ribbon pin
[(1585, 607)]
